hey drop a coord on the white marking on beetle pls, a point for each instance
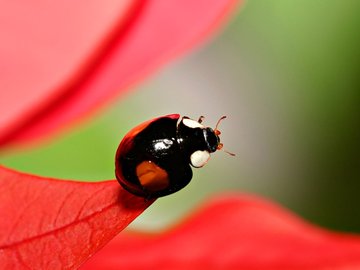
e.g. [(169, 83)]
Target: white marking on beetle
[(199, 158), (192, 123)]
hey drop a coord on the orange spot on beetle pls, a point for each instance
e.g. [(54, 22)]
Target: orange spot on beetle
[(151, 176)]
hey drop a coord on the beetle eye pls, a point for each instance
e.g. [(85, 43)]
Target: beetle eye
[(211, 139)]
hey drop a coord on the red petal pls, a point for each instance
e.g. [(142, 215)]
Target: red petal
[(46, 47), (56, 69), (234, 232), (51, 224)]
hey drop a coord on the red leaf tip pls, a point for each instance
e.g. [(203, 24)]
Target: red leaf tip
[(56, 224)]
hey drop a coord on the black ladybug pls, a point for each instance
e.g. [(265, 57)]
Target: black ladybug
[(154, 158)]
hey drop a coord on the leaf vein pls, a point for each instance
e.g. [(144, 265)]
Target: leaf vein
[(29, 239)]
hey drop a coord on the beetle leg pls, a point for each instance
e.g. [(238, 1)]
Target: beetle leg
[(201, 119)]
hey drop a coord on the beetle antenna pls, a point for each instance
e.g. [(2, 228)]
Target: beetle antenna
[(229, 153), (220, 147), (217, 132), (218, 122)]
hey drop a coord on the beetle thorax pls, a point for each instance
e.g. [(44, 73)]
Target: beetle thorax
[(197, 141)]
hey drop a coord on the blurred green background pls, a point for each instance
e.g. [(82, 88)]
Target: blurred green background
[(286, 73)]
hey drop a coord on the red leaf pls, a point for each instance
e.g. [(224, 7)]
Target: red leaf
[(234, 232), (46, 47), (52, 224), (62, 59)]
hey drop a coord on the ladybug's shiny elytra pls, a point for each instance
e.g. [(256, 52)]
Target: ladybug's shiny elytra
[(154, 158)]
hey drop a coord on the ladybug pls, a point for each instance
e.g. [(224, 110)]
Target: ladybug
[(154, 158)]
